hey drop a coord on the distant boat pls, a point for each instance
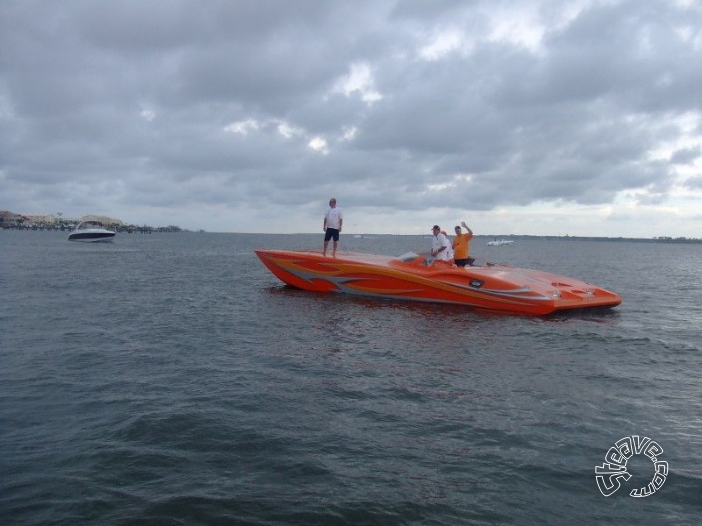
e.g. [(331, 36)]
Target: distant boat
[(500, 242), (91, 232)]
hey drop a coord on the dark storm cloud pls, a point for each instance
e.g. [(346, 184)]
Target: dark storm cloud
[(398, 106)]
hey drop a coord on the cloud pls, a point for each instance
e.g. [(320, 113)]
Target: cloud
[(173, 110)]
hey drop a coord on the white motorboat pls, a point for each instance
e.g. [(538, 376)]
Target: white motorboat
[(500, 242), (91, 232)]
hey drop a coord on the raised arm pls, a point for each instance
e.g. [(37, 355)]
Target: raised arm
[(463, 224)]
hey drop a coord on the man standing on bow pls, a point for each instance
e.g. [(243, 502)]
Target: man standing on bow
[(333, 220)]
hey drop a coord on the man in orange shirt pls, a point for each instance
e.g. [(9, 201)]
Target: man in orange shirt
[(461, 246)]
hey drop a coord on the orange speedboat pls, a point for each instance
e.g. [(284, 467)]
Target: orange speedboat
[(418, 278)]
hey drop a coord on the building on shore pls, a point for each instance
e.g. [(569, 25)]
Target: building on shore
[(11, 220)]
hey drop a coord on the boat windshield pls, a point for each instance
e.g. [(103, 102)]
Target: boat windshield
[(84, 225), (408, 257)]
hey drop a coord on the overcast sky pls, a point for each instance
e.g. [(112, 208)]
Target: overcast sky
[(520, 117)]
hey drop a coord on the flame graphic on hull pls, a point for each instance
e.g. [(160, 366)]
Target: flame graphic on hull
[(500, 288)]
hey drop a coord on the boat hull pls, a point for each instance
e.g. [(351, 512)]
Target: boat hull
[(493, 287), (93, 237)]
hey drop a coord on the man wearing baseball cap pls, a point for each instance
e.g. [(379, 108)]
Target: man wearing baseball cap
[(440, 245), (461, 246)]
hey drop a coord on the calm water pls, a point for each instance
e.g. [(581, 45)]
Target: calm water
[(171, 379)]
